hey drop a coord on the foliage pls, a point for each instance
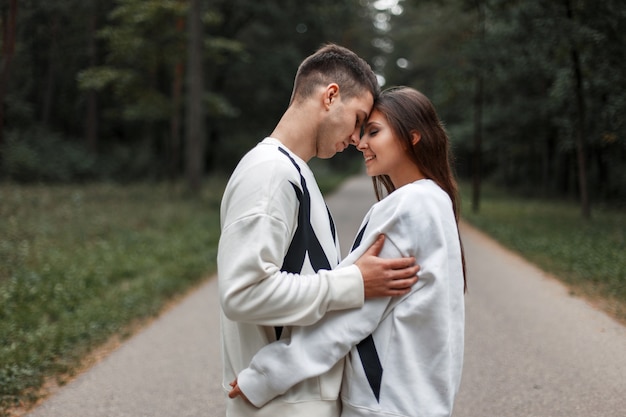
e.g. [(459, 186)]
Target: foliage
[(528, 53), (116, 69), (589, 257), (37, 155), (80, 263), (553, 95), (141, 42), (276, 36)]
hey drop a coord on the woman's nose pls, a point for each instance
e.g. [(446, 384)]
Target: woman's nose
[(362, 144)]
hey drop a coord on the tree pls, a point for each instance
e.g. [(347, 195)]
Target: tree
[(195, 88), (91, 122), (478, 110), (550, 105), (143, 60), (8, 23), (581, 127), (251, 77)]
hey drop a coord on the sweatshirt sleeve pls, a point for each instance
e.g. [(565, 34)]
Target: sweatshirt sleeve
[(258, 222), (315, 349), (254, 290)]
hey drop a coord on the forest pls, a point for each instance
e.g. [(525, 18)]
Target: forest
[(532, 92)]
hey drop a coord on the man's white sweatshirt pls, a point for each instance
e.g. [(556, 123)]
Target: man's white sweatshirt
[(277, 249), (405, 354)]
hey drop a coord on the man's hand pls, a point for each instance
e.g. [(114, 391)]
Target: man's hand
[(386, 277), (236, 391)]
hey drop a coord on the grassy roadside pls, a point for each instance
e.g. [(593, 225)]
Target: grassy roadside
[(79, 264), (82, 264), (590, 257)]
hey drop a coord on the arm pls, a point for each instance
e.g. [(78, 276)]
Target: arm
[(258, 214), (313, 350), (254, 290)]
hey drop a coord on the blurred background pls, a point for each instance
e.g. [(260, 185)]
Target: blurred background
[(120, 121), (533, 92)]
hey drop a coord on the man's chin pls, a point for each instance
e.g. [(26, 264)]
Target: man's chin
[(328, 155)]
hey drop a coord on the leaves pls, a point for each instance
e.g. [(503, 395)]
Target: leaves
[(531, 110)]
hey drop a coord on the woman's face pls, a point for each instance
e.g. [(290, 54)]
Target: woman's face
[(384, 153)]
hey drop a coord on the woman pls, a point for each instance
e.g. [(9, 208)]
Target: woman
[(405, 353)]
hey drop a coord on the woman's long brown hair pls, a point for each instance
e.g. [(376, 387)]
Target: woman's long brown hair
[(408, 111)]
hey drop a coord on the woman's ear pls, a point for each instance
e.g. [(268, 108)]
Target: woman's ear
[(415, 137)]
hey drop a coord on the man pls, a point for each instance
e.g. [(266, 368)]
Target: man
[(278, 245)]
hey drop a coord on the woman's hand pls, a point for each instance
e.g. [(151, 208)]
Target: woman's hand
[(236, 391)]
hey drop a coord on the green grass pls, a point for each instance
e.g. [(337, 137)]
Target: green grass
[(588, 256), (82, 264), (79, 264)]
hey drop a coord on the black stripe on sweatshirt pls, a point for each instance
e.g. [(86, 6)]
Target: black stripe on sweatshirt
[(304, 240), (367, 348)]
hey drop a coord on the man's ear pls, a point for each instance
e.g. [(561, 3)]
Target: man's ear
[(415, 137), (331, 94)]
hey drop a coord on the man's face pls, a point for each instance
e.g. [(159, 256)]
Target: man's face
[(343, 125)]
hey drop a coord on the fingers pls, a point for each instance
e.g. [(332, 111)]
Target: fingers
[(401, 280), (403, 285), (408, 272), (235, 392), (401, 263)]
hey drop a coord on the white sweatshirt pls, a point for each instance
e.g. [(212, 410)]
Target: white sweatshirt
[(275, 224), (405, 353)]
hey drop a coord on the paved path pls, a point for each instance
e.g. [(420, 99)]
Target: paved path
[(532, 350)]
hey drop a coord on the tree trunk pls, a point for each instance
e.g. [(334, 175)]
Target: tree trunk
[(9, 25), (91, 124), (195, 88), (51, 76), (478, 145), (581, 153), (478, 119), (175, 120)]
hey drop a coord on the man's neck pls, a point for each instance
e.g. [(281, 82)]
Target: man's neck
[(297, 133)]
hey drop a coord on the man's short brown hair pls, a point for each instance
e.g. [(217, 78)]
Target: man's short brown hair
[(335, 64)]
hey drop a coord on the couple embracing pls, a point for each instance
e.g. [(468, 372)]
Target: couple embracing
[(379, 333)]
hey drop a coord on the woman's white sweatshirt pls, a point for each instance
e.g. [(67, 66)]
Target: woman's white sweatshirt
[(405, 354), (277, 249)]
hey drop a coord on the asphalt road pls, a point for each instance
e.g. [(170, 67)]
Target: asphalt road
[(532, 350)]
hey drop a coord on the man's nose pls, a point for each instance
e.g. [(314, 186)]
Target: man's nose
[(355, 138)]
